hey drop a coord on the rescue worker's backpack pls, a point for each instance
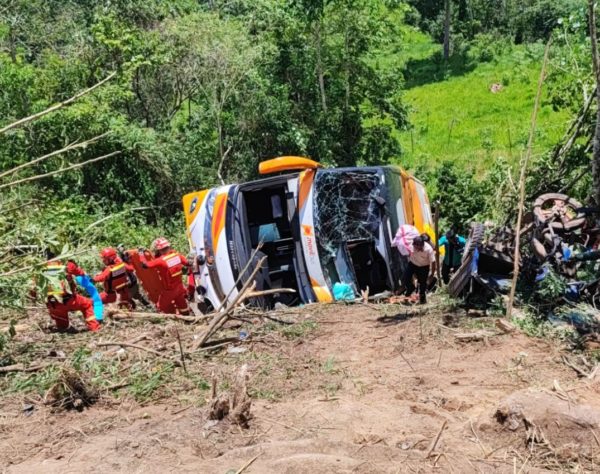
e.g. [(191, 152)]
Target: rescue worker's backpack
[(54, 280), (119, 277)]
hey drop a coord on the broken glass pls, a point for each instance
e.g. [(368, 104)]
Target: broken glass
[(346, 209)]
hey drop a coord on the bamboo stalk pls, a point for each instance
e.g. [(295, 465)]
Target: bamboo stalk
[(71, 146), (60, 105), (522, 177), (62, 170)]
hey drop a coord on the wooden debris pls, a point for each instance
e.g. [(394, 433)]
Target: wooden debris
[(237, 406), (219, 404), (505, 326), (17, 328), (117, 313), (24, 368), (436, 440), (473, 336), (220, 318), (241, 401), (247, 465)]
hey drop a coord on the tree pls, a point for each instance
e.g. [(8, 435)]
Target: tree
[(447, 16), (595, 62)]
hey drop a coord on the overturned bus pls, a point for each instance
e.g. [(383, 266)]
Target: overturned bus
[(317, 226)]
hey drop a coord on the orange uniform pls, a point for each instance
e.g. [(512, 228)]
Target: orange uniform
[(170, 268), (62, 297), (117, 278)]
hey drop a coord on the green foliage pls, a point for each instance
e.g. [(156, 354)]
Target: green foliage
[(459, 118), (145, 384), (298, 330), (552, 288), (519, 20)]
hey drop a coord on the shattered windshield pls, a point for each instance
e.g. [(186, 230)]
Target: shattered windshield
[(346, 208)]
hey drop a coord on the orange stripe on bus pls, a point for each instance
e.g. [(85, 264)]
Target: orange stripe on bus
[(306, 181), (218, 223)]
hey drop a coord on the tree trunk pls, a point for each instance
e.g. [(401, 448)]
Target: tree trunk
[(320, 73), (595, 61), (447, 30)]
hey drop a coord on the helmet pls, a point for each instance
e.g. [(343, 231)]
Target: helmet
[(108, 253), (161, 243)]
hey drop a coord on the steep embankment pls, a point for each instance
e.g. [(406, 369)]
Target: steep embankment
[(367, 389)]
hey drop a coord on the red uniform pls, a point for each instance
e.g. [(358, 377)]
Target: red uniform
[(173, 296), (63, 299), (117, 279)]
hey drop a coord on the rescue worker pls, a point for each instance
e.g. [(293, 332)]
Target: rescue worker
[(117, 278), (62, 297), (169, 265), (421, 263), (454, 246)]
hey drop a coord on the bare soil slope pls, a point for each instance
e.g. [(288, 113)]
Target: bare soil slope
[(370, 389)]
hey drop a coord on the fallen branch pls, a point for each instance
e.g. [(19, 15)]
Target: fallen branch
[(505, 326), (71, 146), (23, 368), (118, 314), (244, 270), (473, 336), (60, 105), (247, 465), (274, 291), (576, 368), (220, 318), (112, 216), (62, 170), (436, 440), (181, 353)]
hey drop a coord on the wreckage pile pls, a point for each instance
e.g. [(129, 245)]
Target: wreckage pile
[(559, 263)]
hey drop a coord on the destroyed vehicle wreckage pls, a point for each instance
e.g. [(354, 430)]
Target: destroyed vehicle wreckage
[(559, 237), (317, 227)]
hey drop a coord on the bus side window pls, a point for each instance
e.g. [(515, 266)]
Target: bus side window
[(400, 212)]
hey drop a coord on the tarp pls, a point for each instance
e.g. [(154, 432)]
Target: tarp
[(86, 283), (403, 240)]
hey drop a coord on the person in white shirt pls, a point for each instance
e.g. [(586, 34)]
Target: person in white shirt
[(421, 263)]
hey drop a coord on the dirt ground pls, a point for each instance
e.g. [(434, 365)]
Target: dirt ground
[(368, 390)]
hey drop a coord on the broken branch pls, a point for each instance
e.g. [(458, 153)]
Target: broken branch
[(436, 440), (60, 105), (72, 146), (62, 170)]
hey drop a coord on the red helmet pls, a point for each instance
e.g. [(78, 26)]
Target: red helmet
[(108, 253), (161, 243)]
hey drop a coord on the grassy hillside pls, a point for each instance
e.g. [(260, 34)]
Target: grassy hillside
[(456, 116)]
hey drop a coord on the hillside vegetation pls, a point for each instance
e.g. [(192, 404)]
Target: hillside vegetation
[(195, 93), (455, 115)]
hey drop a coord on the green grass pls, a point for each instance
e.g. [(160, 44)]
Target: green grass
[(456, 117)]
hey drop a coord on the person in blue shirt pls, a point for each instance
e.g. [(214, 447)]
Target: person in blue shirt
[(454, 245)]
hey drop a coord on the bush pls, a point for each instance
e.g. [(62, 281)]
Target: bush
[(487, 47)]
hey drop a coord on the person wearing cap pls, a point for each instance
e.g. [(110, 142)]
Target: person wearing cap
[(117, 277), (169, 264), (421, 264), (454, 246)]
